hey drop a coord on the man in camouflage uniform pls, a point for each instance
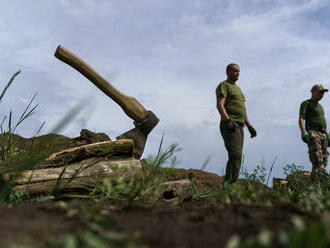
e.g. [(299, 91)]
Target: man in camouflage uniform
[(313, 128), (231, 106)]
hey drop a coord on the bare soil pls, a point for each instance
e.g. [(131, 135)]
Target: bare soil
[(196, 224), (26, 222), (187, 224)]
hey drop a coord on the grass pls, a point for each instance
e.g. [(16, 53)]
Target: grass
[(14, 161), (315, 235)]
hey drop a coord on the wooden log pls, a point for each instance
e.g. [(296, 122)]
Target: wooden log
[(279, 183), (119, 148), (179, 189), (75, 176), (172, 191), (66, 185), (88, 167)]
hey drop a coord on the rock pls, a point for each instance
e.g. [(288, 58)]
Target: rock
[(89, 137)]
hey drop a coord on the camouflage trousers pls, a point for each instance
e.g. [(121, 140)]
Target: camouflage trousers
[(318, 152)]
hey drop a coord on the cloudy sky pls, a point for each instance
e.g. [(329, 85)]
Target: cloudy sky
[(171, 55)]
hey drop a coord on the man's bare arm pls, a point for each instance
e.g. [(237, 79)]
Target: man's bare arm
[(247, 122), (221, 108), (302, 123)]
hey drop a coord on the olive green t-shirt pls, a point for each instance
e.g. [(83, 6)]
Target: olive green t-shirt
[(235, 100), (314, 115)]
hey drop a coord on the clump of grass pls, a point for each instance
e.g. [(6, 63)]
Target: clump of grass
[(291, 169), (300, 190), (250, 189), (9, 152), (315, 235), (258, 174), (14, 161), (245, 192)]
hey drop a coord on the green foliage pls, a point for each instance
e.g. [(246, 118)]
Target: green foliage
[(10, 154), (16, 196), (201, 194), (315, 235), (242, 192), (314, 198), (125, 185), (164, 156), (8, 147), (301, 190), (250, 189), (290, 169), (263, 240), (258, 174)]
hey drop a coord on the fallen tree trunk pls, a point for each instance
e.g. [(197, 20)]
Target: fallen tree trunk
[(74, 176), (114, 149)]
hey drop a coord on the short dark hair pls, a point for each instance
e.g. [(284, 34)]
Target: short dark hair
[(229, 66)]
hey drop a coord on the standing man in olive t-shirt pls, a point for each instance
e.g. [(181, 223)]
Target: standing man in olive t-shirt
[(231, 106), (313, 128)]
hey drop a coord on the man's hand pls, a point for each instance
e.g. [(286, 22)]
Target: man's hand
[(231, 125), (252, 131), (305, 136)]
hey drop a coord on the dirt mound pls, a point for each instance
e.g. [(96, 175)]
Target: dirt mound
[(206, 181), (53, 142)]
